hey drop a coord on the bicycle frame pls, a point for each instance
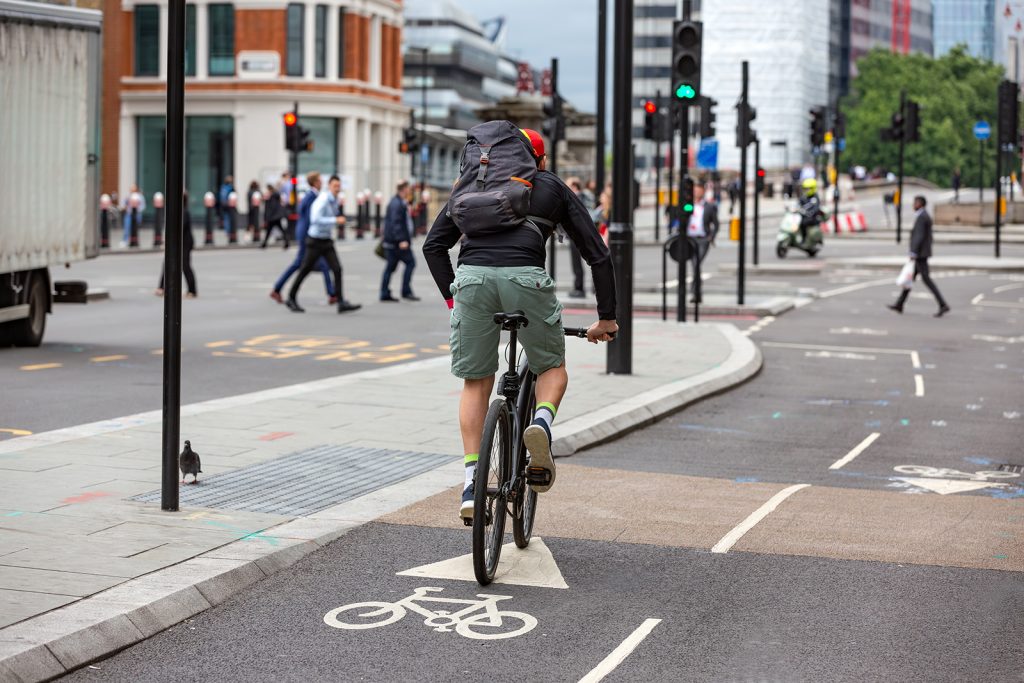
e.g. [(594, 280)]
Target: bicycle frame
[(516, 385), (489, 604)]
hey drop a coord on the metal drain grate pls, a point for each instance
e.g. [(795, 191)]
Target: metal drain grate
[(307, 481), (1019, 469)]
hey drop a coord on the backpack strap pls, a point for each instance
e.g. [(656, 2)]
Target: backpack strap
[(535, 223), (485, 159)]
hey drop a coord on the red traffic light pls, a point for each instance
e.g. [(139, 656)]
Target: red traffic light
[(760, 173), (650, 107), (290, 119)]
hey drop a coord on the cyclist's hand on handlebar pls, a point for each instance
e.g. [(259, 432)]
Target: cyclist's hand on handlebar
[(602, 330)]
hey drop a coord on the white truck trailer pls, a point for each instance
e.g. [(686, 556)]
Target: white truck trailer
[(49, 159)]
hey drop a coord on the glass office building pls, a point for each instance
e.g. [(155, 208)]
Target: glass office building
[(971, 22)]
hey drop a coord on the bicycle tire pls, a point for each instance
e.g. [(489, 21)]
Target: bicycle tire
[(525, 509), (492, 472)]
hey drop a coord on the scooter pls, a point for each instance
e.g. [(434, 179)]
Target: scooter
[(789, 235)]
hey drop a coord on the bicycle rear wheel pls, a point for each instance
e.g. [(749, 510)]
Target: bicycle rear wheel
[(489, 487), (525, 507)]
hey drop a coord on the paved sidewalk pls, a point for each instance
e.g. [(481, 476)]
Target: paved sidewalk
[(85, 571)]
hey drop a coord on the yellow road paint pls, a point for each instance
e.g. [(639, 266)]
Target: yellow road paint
[(218, 344), (398, 347), (15, 432), (41, 366), (107, 359)]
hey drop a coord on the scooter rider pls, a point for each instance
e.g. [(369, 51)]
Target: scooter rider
[(810, 208)]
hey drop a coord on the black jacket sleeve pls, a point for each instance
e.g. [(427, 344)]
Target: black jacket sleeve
[(576, 221), (442, 237), (921, 237)]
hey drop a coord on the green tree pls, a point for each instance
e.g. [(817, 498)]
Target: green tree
[(954, 91)]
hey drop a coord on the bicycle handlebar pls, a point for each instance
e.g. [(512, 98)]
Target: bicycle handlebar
[(581, 332)]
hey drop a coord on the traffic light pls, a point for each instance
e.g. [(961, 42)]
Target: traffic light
[(687, 38), (407, 145), (1009, 114), (759, 180), (745, 115), (818, 126), (650, 117), (291, 131), (686, 201), (553, 127), (912, 122), (707, 116), (839, 126), (296, 138)]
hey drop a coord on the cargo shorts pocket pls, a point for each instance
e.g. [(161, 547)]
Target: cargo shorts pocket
[(455, 337), (541, 282), (466, 288), (555, 333)]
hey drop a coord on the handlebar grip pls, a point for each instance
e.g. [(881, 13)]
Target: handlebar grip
[(581, 332)]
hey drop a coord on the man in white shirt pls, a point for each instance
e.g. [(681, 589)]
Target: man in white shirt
[(323, 217), (702, 228)]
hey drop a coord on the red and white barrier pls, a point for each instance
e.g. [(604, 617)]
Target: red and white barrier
[(852, 221)]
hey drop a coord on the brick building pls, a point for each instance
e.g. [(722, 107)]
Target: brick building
[(246, 63)]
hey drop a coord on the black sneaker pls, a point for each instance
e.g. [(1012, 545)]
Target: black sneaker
[(540, 471), (577, 294), (346, 306), (466, 510), (894, 307), (389, 299), (943, 310), (294, 306), (410, 297)]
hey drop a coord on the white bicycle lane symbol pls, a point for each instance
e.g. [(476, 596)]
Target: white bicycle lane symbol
[(479, 619), (983, 475)]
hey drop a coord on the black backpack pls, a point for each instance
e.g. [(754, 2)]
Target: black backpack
[(496, 176)]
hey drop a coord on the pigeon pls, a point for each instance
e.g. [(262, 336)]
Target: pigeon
[(188, 461)]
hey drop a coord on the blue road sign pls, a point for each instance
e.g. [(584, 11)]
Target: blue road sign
[(982, 130), (707, 155), (842, 144)]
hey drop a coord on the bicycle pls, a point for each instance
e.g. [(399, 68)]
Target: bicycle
[(500, 480)]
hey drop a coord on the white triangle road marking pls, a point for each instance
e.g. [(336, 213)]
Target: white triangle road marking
[(946, 486), (531, 566)]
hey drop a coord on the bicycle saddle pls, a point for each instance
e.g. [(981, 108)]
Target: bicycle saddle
[(513, 320)]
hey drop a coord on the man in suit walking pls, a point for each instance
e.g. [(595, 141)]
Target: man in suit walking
[(397, 241), (702, 228), (920, 252)]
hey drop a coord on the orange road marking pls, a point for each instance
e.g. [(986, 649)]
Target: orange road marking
[(42, 366), (85, 497), (15, 432), (274, 436), (106, 359), (216, 344)]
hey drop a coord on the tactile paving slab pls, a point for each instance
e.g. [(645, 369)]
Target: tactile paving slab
[(306, 481)]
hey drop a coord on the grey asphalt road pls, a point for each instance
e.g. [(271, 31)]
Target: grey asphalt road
[(863, 576), (737, 617)]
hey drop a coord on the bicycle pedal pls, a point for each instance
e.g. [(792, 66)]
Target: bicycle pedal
[(538, 476), (467, 521)]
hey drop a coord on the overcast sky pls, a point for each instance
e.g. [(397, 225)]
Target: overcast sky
[(537, 31)]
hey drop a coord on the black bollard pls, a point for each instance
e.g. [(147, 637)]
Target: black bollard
[(133, 240), (376, 220)]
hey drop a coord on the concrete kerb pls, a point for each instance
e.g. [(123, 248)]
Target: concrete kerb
[(54, 643), (743, 363)]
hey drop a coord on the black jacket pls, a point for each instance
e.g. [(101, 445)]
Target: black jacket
[(921, 237), (396, 222), (551, 200)]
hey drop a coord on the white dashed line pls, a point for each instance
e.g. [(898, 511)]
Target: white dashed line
[(918, 385), (729, 540), (861, 447), (620, 653)]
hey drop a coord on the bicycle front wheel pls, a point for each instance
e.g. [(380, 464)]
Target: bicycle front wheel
[(492, 475)]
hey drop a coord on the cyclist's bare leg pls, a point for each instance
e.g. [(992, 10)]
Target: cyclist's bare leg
[(472, 411), (551, 385)]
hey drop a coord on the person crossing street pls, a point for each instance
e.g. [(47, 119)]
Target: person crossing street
[(301, 227), (323, 219), (920, 252)]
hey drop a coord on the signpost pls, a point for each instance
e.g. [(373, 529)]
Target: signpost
[(983, 132)]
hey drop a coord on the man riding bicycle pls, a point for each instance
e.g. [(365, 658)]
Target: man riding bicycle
[(503, 270)]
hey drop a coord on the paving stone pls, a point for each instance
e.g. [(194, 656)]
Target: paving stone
[(16, 605), (59, 583)]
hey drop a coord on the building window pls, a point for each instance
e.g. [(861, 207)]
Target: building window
[(652, 41), (147, 40), (222, 40), (296, 26), (190, 40), (652, 72), (324, 157), (321, 41), (655, 12), (341, 43)]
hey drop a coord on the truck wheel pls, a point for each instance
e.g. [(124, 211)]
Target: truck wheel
[(29, 331)]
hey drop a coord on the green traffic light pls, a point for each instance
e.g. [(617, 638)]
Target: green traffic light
[(688, 208), (685, 92)]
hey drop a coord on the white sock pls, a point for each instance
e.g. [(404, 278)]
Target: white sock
[(470, 473), (545, 414)]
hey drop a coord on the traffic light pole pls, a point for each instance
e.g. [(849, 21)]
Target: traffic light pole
[(293, 167), (174, 172), (899, 186), (741, 270), (999, 187), (757, 192), (620, 229), (684, 216), (553, 154), (657, 167), (835, 196), (602, 67)]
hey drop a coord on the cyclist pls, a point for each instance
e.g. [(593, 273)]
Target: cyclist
[(810, 208), (504, 271)]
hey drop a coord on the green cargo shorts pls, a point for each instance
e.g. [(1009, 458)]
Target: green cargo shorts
[(482, 291)]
